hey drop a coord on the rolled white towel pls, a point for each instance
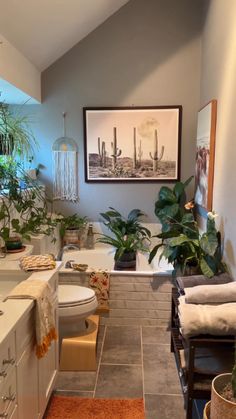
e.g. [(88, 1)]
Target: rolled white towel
[(205, 294)]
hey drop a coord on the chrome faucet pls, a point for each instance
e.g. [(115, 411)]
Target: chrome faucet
[(67, 247)]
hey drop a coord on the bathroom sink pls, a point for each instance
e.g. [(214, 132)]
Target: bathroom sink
[(9, 279)]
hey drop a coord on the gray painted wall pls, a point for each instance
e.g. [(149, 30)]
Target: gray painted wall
[(148, 53), (218, 81)]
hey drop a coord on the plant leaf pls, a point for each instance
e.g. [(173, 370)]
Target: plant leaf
[(205, 268), (154, 252)]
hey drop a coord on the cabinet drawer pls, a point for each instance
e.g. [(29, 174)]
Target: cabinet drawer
[(8, 395), (7, 357), (25, 332)]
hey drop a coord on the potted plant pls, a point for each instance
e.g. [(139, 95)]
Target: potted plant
[(71, 228), (23, 211), (183, 245), (16, 137), (223, 397), (128, 236)]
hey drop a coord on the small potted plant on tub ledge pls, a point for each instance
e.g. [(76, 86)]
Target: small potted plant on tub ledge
[(71, 229), (127, 237)]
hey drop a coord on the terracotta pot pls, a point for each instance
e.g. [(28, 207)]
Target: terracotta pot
[(220, 407), (207, 411)]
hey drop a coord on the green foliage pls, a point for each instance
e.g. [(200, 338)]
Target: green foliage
[(16, 136), (27, 204), (128, 235), (183, 245), (72, 222)]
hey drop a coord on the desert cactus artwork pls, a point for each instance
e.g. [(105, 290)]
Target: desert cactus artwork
[(156, 158), (116, 152), (135, 151), (140, 153), (102, 152)]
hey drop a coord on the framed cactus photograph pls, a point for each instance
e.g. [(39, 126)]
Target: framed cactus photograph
[(132, 144)]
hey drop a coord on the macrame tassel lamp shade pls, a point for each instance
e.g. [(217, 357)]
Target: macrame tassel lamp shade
[(65, 168)]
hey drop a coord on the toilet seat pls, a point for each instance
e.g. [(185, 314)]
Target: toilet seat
[(74, 295)]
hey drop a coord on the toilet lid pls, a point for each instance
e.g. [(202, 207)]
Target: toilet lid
[(74, 294)]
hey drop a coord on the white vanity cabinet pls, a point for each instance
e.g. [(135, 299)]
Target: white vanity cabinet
[(8, 386), (26, 382)]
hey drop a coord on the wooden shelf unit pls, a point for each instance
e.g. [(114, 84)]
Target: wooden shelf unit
[(194, 385)]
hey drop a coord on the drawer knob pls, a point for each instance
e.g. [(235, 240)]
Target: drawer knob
[(10, 361), (3, 374), (9, 398)]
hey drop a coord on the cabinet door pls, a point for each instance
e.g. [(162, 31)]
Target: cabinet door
[(27, 384), (47, 372)]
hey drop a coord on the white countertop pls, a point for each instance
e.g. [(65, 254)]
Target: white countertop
[(14, 310)]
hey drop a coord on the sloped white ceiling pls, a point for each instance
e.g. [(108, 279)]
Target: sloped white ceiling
[(43, 30)]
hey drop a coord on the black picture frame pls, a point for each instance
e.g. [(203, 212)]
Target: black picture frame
[(132, 144)]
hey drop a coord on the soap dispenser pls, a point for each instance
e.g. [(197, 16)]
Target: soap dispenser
[(90, 237)]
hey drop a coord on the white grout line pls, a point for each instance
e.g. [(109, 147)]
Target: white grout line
[(142, 364), (122, 365), (99, 362), (164, 394)]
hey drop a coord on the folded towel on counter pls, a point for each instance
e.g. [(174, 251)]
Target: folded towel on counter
[(40, 291), (99, 281), (37, 262), (197, 319), (205, 294), (193, 280)]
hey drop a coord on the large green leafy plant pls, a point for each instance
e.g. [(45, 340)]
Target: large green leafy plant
[(23, 206), (128, 234), (183, 245)]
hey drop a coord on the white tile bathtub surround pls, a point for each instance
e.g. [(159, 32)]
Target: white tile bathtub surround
[(141, 300)]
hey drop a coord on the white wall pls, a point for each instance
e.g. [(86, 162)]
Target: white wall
[(17, 70), (218, 81)]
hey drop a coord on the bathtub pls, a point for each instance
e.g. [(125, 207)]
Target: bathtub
[(102, 257)]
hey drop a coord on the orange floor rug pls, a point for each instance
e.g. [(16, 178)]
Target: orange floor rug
[(63, 407)]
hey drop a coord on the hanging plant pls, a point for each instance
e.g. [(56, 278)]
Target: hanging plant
[(16, 136)]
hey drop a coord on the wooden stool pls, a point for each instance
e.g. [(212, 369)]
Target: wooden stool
[(79, 353)]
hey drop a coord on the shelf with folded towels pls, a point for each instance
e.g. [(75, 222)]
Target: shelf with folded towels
[(199, 358)]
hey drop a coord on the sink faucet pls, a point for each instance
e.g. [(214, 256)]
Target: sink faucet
[(67, 247)]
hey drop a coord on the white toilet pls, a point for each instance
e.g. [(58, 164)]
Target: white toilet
[(75, 303)]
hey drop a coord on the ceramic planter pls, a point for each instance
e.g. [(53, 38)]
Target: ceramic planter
[(126, 261), (13, 243), (71, 236), (207, 411), (220, 407)]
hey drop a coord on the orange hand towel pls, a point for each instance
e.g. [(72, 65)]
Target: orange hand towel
[(40, 291)]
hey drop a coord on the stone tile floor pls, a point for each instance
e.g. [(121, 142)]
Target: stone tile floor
[(133, 362)]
